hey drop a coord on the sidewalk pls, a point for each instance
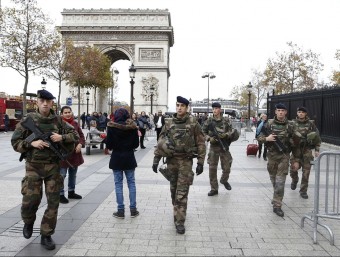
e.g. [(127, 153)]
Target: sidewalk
[(239, 222)]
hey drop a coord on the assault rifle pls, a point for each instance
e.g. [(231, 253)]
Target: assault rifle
[(277, 143), (56, 148), (223, 144)]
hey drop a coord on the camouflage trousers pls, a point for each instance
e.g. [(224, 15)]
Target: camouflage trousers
[(32, 190), (216, 153), (299, 161), (277, 166), (179, 187)]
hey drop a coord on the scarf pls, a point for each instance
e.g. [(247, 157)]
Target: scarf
[(70, 120)]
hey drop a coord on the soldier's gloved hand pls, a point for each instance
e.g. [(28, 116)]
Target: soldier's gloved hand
[(224, 135), (213, 140), (154, 167), (199, 169)]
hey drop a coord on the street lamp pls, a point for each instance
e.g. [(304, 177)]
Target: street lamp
[(132, 71), (87, 101), (208, 75), (152, 91), (269, 99), (43, 83), (249, 88), (115, 79)]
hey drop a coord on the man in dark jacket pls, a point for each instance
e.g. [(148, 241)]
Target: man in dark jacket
[(159, 121), (122, 139)]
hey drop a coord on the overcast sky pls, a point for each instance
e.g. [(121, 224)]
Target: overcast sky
[(229, 38)]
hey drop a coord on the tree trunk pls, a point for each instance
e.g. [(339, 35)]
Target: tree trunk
[(78, 103), (24, 110), (58, 104)]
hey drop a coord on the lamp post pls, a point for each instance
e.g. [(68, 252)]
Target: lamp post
[(115, 79), (152, 91), (208, 75), (249, 87), (132, 71), (87, 101), (43, 83), (269, 99)]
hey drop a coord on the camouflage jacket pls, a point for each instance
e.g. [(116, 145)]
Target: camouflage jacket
[(283, 130), (52, 123), (222, 126), (184, 137), (301, 129)]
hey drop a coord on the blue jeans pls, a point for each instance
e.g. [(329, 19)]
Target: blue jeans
[(130, 177), (72, 175)]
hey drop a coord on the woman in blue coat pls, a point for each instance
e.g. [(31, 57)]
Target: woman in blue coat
[(122, 139)]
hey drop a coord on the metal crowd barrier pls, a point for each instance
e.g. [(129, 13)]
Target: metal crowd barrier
[(326, 198)]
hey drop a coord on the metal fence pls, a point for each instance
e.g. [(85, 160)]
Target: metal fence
[(326, 193)]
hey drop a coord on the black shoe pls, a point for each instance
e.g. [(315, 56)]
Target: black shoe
[(119, 215), (134, 213), (47, 242), (278, 211), (227, 186), (73, 195), (265, 158), (143, 147), (293, 185), (94, 146), (63, 199), (304, 195), (259, 156), (180, 229), (27, 231), (213, 192)]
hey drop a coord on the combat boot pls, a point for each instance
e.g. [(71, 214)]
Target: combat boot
[(213, 192), (134, 213), (278, 211), (180, 229), (73, 195), (63, 199), (293, 185), (227, 186), (47, 242), (304, 195), (27, 231)]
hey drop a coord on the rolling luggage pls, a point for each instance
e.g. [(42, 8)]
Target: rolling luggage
[(252, 149)]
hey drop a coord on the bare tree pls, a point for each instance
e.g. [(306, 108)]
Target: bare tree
[(260, 89), (28, 40), (295, 70), (336, 74)]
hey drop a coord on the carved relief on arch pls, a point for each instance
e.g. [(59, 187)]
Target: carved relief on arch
[(149, 81)]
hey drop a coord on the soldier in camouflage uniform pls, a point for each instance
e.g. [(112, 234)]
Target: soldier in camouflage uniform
[(278, 160), (42, 165), (180, 140), (227, 135), (305, 138)]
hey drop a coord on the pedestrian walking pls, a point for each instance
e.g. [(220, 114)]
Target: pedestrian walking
[(306, 137), (277, 134), (159, 121), (143, 125), (180, 140), (42, 165), (259, 125), (74, 160), (6, 122), (83, 120), (122, 139), (220, 133)]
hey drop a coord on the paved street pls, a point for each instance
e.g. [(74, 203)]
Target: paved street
[(239, 222)]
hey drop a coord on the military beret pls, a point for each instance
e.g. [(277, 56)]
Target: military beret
[(280, 106), (301, 109), (216, 105), (44, 94), (182, 100)]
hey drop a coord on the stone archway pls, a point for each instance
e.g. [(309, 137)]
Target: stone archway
[(143, 37)]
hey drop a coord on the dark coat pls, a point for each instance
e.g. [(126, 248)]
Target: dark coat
[(76, 159), (156, 120), (122, 140)]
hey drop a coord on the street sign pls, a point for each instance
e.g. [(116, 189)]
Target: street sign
[(69, 101)]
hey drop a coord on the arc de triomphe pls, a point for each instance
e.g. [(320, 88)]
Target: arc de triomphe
[(143, 36)]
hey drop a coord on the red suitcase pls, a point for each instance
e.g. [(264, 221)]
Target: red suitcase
[(252, 149)]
